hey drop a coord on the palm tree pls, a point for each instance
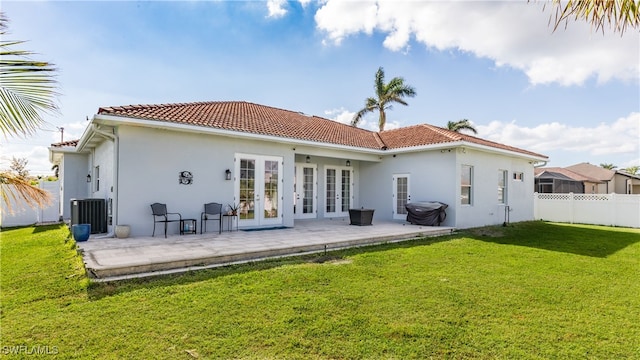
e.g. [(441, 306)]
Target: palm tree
[(619, 13), (27, 88), (386, 95), (633, 170), (460, 125), (608, 166)]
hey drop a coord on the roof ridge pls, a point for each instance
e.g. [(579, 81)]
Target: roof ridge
[(376, 136), (164, 105)]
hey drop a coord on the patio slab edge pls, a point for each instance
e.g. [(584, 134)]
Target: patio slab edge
[(102, 273)]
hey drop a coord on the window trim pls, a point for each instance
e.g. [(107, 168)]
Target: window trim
[(464, 169), (97, 177), (503, 175)]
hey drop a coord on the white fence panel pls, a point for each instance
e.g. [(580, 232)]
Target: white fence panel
[(597, 209), (24, 215)]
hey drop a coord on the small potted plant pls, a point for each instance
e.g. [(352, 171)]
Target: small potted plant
[(233, 209)]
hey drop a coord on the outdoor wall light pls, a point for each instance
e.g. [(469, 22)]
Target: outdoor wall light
[(348, 162), (88, 178), (227, 174), (308, 159)]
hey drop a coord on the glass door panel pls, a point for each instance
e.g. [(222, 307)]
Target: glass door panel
[(258, 189), (247, 189), (305, 191), (338, 191), (401, 195)]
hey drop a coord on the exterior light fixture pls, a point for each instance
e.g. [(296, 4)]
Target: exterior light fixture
[(348, 162), (88, 178), (308, 159), (227, 174)]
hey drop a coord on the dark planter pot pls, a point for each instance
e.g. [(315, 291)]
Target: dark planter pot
[(81, 232), (361, 217)]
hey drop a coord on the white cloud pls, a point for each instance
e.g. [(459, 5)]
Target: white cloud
[(515, 34), (276, 8), (616, 138), (340, 115), (345, 116)]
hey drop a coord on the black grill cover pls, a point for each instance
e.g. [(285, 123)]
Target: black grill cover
[(429, 213)]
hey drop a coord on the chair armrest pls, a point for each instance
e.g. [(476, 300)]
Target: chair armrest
[(180, 216)]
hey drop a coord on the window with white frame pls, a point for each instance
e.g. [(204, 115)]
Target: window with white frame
[(502, 186), (466, 184), (518, 176), (97, 175)]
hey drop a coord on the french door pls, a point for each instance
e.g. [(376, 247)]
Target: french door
[(305, 193), (401, 195), (338, 191), (258, 189)]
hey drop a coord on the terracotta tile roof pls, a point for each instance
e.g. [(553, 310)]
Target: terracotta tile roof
[(425, 134), (251, 118), (72, 143), (265, 120)]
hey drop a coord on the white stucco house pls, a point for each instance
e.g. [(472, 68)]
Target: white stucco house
[(285, 165)]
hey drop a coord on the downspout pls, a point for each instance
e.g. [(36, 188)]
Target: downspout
[(114, 204)]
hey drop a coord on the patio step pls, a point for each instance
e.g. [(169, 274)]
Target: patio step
[(112, 263)]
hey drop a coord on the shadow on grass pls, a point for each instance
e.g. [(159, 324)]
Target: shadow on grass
[(43, 228), (99, 290), (586, 240)]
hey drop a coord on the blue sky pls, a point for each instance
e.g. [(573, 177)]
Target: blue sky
[(573, 94)]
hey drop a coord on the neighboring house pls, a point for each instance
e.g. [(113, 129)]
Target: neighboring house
[(560, 180), (612, 181), (282, 165)]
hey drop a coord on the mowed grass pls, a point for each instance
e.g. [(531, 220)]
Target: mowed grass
[(531, 290)]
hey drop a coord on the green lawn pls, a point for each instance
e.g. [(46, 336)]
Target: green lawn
[(528, 291)]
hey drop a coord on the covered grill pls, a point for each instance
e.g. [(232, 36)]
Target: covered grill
[(428, 213)]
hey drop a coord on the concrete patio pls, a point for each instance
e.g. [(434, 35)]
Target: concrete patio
[(109, 259)]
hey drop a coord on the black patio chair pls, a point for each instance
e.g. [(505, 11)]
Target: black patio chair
[(160, 215), (212, 211)]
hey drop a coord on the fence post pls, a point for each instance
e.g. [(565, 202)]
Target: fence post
[(612, 209), (572, 202), (535, 206)]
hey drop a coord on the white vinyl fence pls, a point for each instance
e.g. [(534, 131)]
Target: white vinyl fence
[(598, 209), (24, 215)]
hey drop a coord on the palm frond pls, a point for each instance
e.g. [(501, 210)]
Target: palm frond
[(617, 14), (15, 190), (27, 88), (460, 125)]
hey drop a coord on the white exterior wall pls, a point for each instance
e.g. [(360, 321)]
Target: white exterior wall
[(103, 156), (431, 179), (73, 172), (150, 161), (485, 209)]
